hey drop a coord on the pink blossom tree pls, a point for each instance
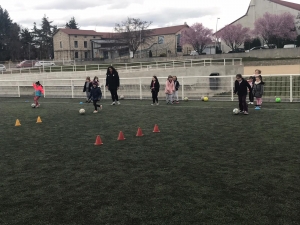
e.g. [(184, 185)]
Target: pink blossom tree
[(234, 35), (197, 36), (272, 27)]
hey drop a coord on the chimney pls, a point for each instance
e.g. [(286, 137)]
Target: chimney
[(185, 23)]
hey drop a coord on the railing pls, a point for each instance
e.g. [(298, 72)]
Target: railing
[(217, 88), (127, 67)]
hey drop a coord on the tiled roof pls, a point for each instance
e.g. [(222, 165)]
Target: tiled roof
[(287, 4), (154, 32)]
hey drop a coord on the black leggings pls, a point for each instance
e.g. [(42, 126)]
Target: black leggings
[(114, 95), (154, 96), (251, 97), (95, 104)]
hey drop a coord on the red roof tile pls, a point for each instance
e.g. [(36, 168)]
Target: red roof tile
[(167, 30), (287, 4)]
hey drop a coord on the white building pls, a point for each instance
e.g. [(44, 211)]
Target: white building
[(256, 10)]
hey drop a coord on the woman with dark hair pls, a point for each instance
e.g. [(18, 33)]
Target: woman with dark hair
[(154, 86), (113, 84)]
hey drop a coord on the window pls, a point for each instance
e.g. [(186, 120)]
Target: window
[(85, 44), (85, 55), (179, 47), (76, 55), (76, 36), (75, 44), (60, 44), (94, 37), (84, 36), (160, 39)]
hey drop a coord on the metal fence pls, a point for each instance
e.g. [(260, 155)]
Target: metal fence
[(125, 67), (217, 88)]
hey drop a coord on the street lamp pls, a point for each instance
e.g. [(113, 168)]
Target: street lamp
[(216, 36)]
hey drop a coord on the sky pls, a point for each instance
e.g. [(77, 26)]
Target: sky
[(102, 15)]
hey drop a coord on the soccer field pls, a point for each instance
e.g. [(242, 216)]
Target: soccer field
[(206, 166)]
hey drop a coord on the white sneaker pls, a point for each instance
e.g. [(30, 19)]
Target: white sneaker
[(113, 103), (95, 111), (152, 104), (157, 103), (118, 103), (100, 107)]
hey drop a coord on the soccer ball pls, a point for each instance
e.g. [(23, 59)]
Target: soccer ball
[(278, 100), (81, 111), (186, 99), (122, 97), (33, 105), (205, 99), (235, 111)]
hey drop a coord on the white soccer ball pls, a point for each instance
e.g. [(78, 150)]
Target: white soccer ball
[(81, 111), (236, 111), (33, 105), (122, 97), (186, 99)]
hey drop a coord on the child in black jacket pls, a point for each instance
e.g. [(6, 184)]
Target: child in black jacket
[(175, 93), (154, 86), (241, 87), (87, 88), (95, 96)]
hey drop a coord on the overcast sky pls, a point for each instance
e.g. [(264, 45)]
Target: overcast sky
[(101, 15)]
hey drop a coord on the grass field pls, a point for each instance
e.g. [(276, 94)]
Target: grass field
[(206, 166)]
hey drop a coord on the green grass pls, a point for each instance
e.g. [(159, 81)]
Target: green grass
[(206, 166)]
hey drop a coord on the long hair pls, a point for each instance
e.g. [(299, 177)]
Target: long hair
[(114, 71), (261, 80), (38, 83), (156, 80)]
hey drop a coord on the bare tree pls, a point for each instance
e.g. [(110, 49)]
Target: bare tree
[(133, 32)]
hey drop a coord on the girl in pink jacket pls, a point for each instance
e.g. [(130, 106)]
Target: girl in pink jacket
[(39, 91), (170, 87)]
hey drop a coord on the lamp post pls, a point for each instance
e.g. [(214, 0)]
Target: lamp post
[(140, 43), (216, 36)]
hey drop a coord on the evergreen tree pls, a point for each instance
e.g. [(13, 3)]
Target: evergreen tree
[(5, 25), (72, 24), (27, 48)]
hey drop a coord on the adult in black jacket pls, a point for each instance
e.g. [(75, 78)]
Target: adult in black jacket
[(241, 87), (113, 84), (95, 96), (154, 86)]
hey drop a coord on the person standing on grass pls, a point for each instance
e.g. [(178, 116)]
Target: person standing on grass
[(95, 96), (87, 88), (113, 84), (175, 92), (39, 91), (154, 86), (96, 79), (258, 90), (169, 89), (251, 98), (241, 87)]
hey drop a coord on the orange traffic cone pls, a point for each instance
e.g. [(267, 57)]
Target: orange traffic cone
[(98, 141), (38, 120), (18, 123), (156, 130), (139, 133), (121, 136)]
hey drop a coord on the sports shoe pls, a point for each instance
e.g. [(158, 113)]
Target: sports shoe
[(118, 103), (37, 106), (152, 104), (113, 103), (157, 103), (177, 102), (100, 107), (95, 111), (241, 111), (246, 113)]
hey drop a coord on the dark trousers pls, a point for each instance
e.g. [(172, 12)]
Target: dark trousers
[(154, 96), (95, 104), (242, 103), (114, 94), (251, 97)]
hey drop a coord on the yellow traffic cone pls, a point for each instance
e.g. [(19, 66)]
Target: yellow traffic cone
[(38, 120), (17, 123)]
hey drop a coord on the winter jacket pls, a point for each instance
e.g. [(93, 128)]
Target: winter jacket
[(241, 88), (89, 88), (38, 90), (258, 89), (169, 87), (96, 94), (112, 81), (155, 85), (177, 85)]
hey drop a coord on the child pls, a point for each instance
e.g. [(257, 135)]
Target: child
[(96, 79), (169, 89), (256, 73), (258, 90), (175, 92), (240, 88), (251, 98), (87, 88), (39, 91), (154, 86), (95, 96)]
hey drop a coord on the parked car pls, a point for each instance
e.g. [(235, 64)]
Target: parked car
[(2, 68), (26, 63), (256, 48), (270, 46), (44, 63), (238, 50), (194, 53), (290, 46)]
